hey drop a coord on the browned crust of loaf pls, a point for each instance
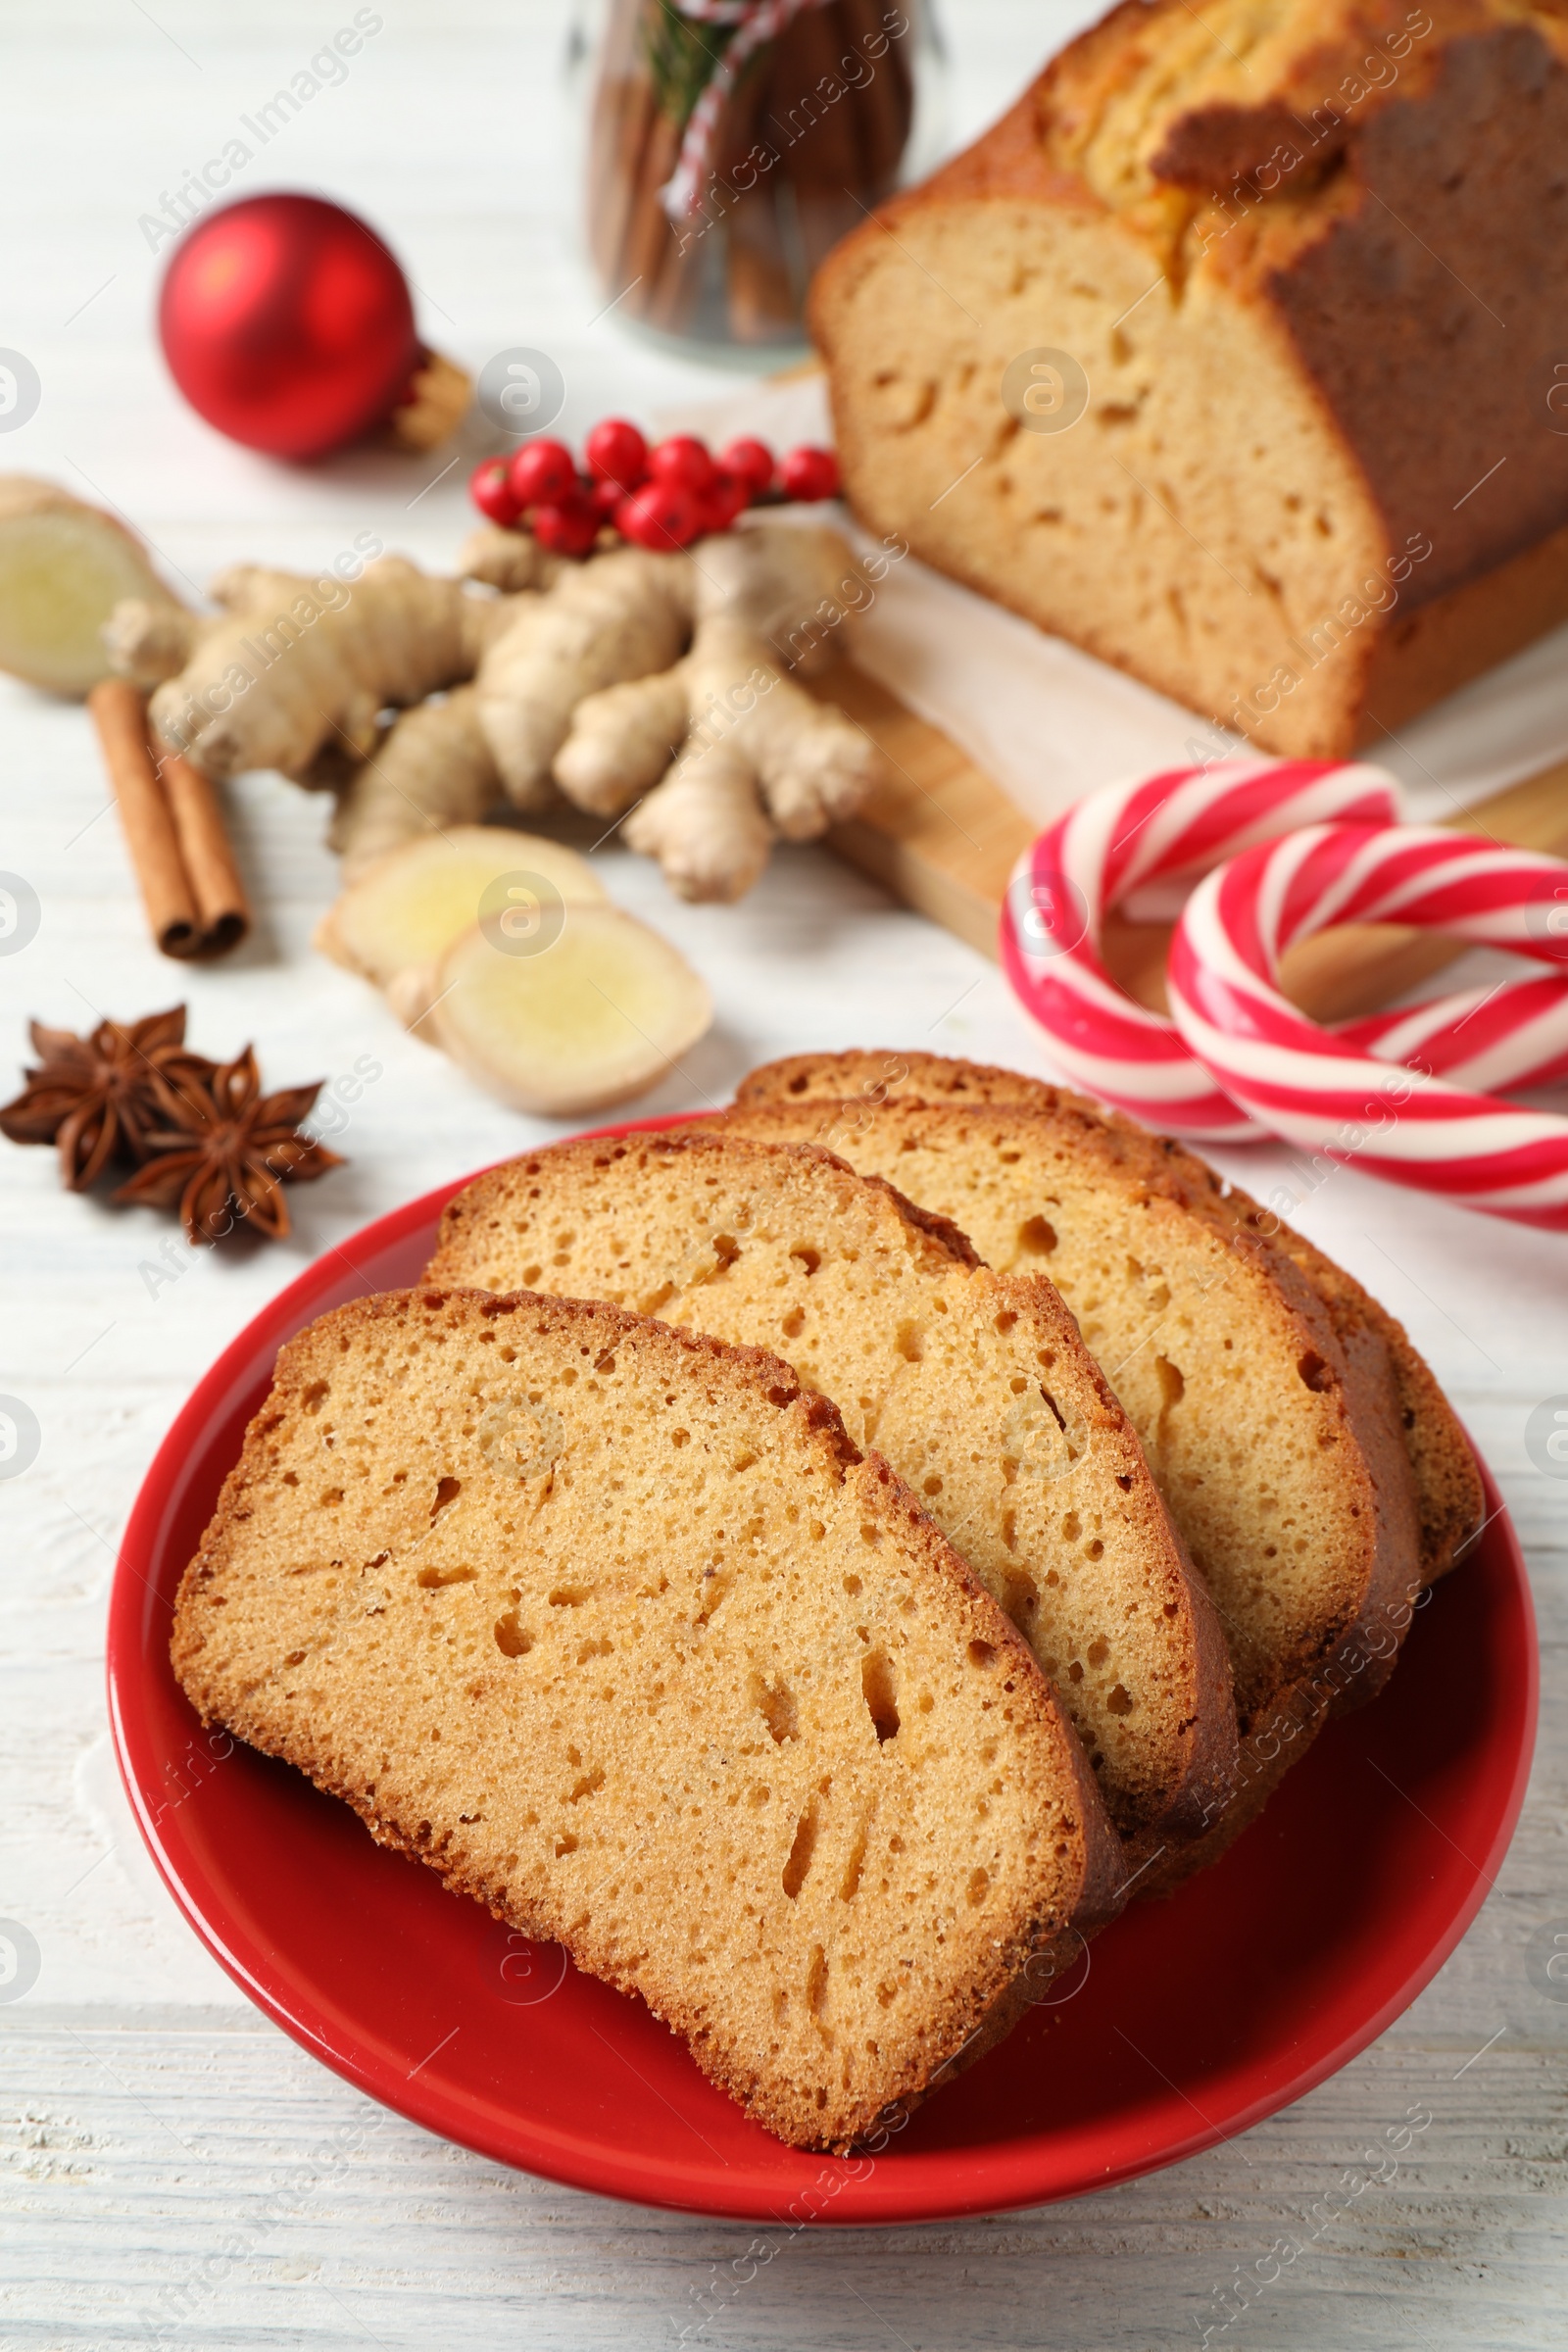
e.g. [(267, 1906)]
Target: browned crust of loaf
[(1207, 1736), (1447, 1483), (864, 1074), (818, 1423), (499, 1184), (1355, 1663), (1427, 146), (1127, 1155), (1461, 135), (1296, 1723), (1376, 1351)]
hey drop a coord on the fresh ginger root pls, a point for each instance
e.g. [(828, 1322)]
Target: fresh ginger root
[(616, 616), (633, 664), (64, 567), (502, 948), (758, 758), (601, 1013), (294, 667), (433, 772), (407, 910), (755, 756), (598, 678)]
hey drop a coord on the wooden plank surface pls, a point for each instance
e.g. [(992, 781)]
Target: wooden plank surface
[(936, 830), (944, 837)]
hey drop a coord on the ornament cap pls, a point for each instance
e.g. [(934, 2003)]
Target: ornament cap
[(437, 399)]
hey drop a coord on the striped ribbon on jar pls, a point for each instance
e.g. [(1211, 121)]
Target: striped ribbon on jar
[(755, 23)]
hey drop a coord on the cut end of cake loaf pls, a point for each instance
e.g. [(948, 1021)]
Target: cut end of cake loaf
[(1140, 365), (1270, 1441), (975, 1386), (1447, 1483), (611, 1625)]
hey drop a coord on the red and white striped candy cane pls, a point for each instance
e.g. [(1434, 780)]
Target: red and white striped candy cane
[(756, 22), (1315, 1086), (1181, 822)]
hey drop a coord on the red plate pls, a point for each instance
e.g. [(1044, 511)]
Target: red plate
[(1197, 2016)]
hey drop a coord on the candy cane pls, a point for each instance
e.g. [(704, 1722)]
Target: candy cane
[(1313, 1086), (1179, 822), (756, 22)]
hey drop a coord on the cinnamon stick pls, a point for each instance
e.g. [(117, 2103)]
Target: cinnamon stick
[(221, 907), (822, 156), (174, 828), (612, 187), (677, 254), (120, 714), (763, 292), (763, 304), (884, 100), (649, 236)]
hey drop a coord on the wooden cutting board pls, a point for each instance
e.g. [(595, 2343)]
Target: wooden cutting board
[(944, 838)]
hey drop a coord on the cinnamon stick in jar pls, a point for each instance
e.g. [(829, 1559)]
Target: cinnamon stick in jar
[(826, 98), (885, 97)]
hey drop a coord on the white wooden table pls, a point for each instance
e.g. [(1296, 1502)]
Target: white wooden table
[(146, 2111)]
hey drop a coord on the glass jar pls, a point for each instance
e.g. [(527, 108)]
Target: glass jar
[(732, 143)]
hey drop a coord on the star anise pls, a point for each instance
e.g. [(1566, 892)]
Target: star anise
[(93, 1097), (222, 1151)]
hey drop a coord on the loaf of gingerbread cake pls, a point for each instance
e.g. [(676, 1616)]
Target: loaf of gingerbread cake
[(1235, 353)]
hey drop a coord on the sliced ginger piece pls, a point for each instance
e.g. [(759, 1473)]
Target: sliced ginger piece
[(417, 900), (591, 1016), (64, 566)]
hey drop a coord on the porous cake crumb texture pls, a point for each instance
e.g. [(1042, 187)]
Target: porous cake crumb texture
[(611, 1626)]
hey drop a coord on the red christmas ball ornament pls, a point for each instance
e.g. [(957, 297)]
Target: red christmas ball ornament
[(287, 325), (809, 473)]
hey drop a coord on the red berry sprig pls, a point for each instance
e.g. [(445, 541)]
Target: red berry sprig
[(662, 497)]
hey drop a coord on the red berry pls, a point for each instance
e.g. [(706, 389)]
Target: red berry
[(751, 460), (567, 526), (727, 498), (542, 470), (682, 460), (661, 514), (809, 473), (617, 453), (491, 491), (605, 497)]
